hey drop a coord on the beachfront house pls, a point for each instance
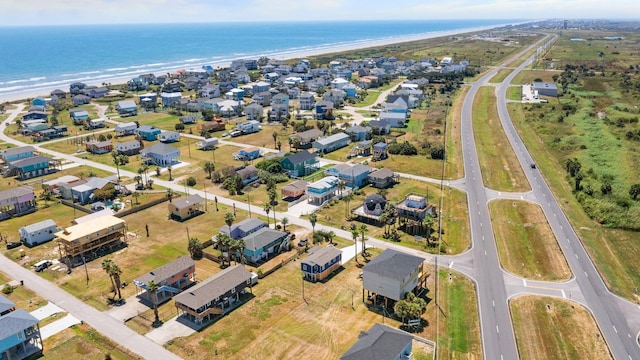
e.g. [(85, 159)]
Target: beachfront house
[(81, 99), (79, 243), (263, 244), (127, 108), (294, 190), (321, 263), (17, 201), (38, 233), (17, 153), (243, 228), (19, 335), (331, 143), (300, 164), (98, 147), (322, 190), (160, 154), (392, 275), (171, 278), (148, 133), (131, 147), (169, 136), (214, 296), (124, 129), (381, 342), (184, 208)]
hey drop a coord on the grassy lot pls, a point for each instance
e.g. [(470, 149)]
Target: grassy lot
[(590, 123), (527, 76), (501, 75), (278, 324), (500, 167), (81, 342), (545, 328), (22, 296), (526, 244), (455, 221), (514, 93), (454, 168), (458, 323)]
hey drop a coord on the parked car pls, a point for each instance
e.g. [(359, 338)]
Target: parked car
[(40, 266), (303, 242), (13, 244), (235, 133)]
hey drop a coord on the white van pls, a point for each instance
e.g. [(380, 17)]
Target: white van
[(39, 266)]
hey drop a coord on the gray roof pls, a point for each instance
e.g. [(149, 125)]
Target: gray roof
[(393, 264), (14, 322), (333, 138), (123, 104), (30, 161), (381, 342), (296, 185), (245, 225), (97, 214), (321, 255), (309, 134), (214, 287), (358, 129), (160, 148), (44, 224), (381, 174), (166, 271), (545, 85), (130, 142), (301, 157), (355, 170), (392, 115), (17, 150), (15, 192), (186, 201), (262, 237), (6, 304)]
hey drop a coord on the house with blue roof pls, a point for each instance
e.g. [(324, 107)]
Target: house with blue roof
[(350, 89), (39, 101), (19, 335), (354, 176), (78, 115), (38, 233), (127, 108), (149, 133), (243, 228)]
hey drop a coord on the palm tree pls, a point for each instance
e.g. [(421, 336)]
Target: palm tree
[(239, 247), (266, 209), (115, 272), (138, 179), (228, 219), (119, 160), (363, 231), (275, 139), (152, 288), (313, 218), (169, 168), (347, 200), (384, 218), (354, 234), (106, 266), (341, 186), (170, 194), (284, 221), (210, 167), (135, 196), (224, 243)]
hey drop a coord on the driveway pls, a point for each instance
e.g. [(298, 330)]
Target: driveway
[(169, 330), (58, 326), (46, 311)]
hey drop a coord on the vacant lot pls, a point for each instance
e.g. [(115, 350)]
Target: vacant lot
[(81, 342), (526, 244), (22, 296), (500, 167), (501, 75), (547, 328)]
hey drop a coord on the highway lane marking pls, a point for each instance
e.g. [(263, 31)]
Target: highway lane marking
[(524, 281), (497, 329), (485, 253), (614, 329), (482, 237), (563, 294), (494, 305), (450, 265), (569, 241), (585, 274), (576, 255)]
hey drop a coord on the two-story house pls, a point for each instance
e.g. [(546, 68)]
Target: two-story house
[(243, 228), (171, 278), (321, 263), (263, 244), (381, 342), (322, 190), (392, 274), (300, 164)]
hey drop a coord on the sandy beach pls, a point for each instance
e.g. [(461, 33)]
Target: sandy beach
[(284, 55)]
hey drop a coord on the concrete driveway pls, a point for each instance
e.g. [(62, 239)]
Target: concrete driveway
[(46, 311), (169, 330), (58, 326)]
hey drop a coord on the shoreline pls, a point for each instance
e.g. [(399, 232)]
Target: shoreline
[(21, 95)]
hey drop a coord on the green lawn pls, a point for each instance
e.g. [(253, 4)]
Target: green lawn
[(81, 342), (501, 75), (500, 167)]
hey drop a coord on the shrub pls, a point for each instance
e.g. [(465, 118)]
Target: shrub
[(405, 148), (191, 181), (7, 289)]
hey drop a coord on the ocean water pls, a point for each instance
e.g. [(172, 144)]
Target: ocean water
[(49, 57)]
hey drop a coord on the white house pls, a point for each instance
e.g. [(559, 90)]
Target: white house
[(38, 233), (160, 154), (169, 136), (125, 129)]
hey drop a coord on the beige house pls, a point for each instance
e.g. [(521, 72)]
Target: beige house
[(182, 209), (81, 242)]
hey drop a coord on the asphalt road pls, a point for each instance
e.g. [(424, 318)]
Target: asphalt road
[(602, 303)]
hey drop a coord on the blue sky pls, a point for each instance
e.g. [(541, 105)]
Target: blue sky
[(47, 12)]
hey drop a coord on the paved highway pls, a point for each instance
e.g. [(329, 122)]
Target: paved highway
[(603, 305)]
